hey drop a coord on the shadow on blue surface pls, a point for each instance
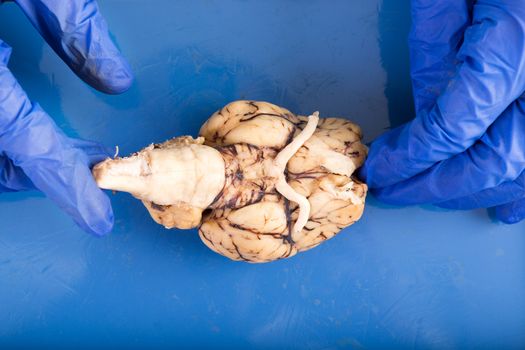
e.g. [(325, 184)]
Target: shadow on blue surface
[(394, 25), (399, 278)]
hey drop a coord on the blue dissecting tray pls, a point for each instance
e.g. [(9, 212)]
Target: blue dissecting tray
[(401, 277)]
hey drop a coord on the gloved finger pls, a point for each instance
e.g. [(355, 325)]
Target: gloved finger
[(499, 156), (488, 78), (500, 195), (511, 213), (434, 41), (78, 33), (30, 138), (13, 178)]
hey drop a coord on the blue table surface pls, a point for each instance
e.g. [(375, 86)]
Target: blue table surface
[(416, 277)]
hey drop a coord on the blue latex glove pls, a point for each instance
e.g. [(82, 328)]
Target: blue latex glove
[(34, 153), (466, 147)]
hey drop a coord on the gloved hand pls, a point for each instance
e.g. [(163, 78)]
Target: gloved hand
[(34, 153), (466, 147)]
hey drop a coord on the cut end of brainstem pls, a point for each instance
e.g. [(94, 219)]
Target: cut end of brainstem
[(254, 202)]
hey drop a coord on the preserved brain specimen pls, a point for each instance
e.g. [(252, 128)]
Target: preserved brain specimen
[(259, 182)]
